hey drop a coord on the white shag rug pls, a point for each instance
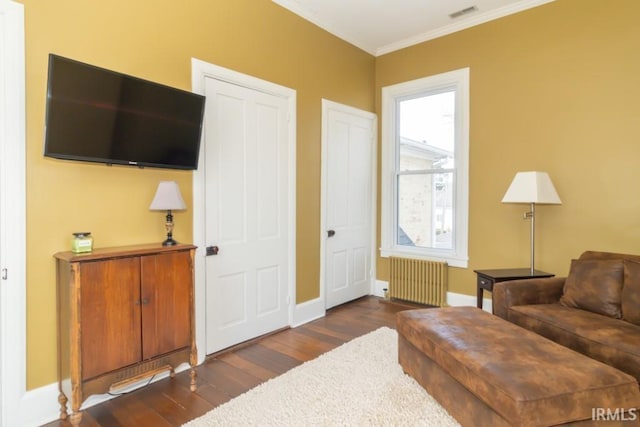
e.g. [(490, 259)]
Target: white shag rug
[(359, 383)]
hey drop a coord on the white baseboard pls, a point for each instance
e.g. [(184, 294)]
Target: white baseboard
[(307, 311), (457, 300), (379, 287), (453, 299), (40, 406)]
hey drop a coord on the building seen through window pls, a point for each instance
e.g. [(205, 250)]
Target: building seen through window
[(425, 170)]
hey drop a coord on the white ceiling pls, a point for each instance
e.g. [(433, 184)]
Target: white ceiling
[(382, 26)]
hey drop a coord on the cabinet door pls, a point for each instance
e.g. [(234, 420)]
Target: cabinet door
[(109, 315), (166, 295)]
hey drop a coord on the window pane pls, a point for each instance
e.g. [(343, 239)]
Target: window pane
[(425, 210), (427, 132)]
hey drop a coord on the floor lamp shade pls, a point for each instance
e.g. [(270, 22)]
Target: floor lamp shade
[(533, 188)]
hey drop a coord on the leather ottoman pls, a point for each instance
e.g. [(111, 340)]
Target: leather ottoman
[(488, 372)]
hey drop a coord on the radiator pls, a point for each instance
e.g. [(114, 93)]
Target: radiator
[(420, 281)]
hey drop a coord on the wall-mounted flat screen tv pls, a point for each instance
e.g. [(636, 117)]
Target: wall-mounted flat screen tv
[(97, 115)]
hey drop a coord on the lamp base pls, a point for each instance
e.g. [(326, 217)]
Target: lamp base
[(169, 242), (169, 226)]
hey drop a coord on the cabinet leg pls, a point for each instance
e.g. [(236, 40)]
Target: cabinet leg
[(62, 400), (75, 419), (192, 374)]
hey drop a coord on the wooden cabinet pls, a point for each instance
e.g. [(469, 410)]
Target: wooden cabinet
[(123, 314)]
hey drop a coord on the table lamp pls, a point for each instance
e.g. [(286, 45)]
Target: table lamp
[(168, 198)]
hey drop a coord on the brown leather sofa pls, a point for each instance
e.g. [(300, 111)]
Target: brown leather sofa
[(595, 310)]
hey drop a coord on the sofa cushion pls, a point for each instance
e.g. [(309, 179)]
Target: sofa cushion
[(612, 341), (595, 285), (631, 292)]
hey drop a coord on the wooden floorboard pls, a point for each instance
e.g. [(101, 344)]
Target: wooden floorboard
[(169, 402)]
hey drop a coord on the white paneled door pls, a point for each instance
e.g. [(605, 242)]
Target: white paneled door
[(12, 217), (247, 213), (349, 143)]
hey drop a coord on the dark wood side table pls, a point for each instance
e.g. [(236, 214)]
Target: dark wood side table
[(486, 278)]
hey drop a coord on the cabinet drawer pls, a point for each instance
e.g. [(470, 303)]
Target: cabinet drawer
[(485, 283)]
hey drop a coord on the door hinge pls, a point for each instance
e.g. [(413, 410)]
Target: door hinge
[(4, 274)]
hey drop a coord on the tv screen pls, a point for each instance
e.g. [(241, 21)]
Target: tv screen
[(98, 115)]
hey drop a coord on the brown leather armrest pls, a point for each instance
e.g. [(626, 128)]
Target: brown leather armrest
[(523, 292)]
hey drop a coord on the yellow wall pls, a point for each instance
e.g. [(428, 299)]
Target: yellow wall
[(156, 40), (555, 88)]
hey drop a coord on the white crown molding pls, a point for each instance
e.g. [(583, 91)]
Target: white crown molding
[(460, 24), (471, 21)]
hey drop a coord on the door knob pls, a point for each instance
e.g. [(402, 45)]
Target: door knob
[(212, 250), (331, 233)]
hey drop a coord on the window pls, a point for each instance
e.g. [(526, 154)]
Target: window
[(425, 184)]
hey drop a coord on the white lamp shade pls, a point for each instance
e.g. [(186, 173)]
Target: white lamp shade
[(167, 197), (532, 187)]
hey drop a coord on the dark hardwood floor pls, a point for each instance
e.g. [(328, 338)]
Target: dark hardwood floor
[(170, 403)]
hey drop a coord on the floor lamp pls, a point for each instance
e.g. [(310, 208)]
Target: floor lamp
[(532, 187)]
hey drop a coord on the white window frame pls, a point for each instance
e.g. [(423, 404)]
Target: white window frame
[(458, 255)]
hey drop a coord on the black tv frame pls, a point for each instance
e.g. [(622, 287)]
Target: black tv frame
[(97, 103)]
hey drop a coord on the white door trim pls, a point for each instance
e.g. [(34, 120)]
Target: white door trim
[(199, 71), (326, 106), (12, 213)]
